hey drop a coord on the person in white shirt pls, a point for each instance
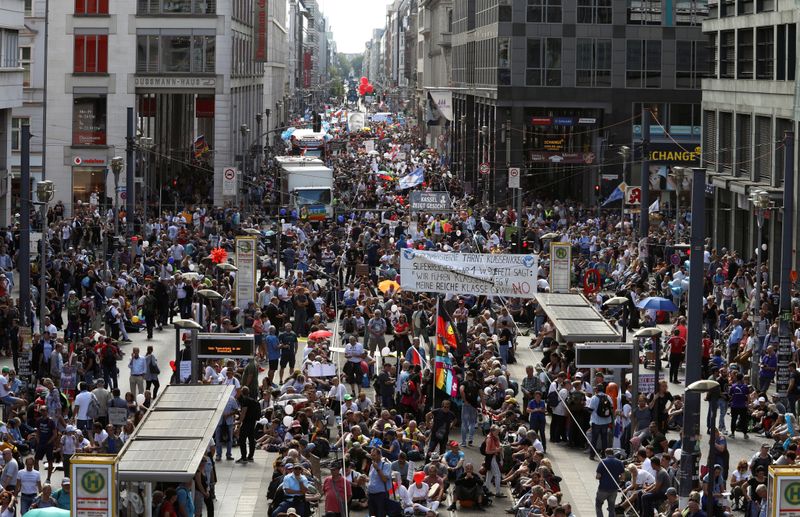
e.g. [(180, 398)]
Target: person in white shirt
[(81, 407), (138, 367), (418, 492), (69, 445), (29, 484)]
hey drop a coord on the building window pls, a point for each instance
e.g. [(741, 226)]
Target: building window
[(763, 149), (593, 58), (544, 11), (594, 11), (744, 54), (765, 43), (28, 7), (744, 134), (183, 7), (89, 119), (727, 54), (690, 12), (16, 131), (643, 68), (25, 63), (644, 12), (9, 48), (691, 64), (176, 54), (786, 52), (91, 54), (543, 62), (91, 7)]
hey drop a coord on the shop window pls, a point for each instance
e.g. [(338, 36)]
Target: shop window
[(87, 181), (91, 54), (91, 7), (89, 119)]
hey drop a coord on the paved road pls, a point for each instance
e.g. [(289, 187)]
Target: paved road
[(241, 488)]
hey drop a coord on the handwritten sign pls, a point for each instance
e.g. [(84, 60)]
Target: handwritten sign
[(475, 273), (117, 415)]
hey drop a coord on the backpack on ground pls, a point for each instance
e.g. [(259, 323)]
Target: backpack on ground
[(604, 407)]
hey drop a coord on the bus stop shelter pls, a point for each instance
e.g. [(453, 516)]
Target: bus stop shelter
[(170, 441), (576, 319)]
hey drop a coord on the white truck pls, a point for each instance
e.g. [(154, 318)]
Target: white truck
[(307, 186)]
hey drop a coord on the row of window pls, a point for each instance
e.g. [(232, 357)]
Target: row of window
[(741, 7), (593, 63), (762, 53), (639, 12), (88, 122), (143, 7), (162, 53)]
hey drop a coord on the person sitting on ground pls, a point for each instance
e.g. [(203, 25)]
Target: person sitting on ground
[(468, 487)]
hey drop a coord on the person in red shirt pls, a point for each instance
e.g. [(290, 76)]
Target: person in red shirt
[(677, 346), (338, 491), (708, 348)]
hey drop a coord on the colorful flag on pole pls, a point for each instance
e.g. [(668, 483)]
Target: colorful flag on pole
[(655, 207), (412, 180), (619, 193), (443, 365), (200, 147)]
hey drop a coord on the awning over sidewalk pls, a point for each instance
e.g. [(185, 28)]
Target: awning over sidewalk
[(576, 319), (173, 436)]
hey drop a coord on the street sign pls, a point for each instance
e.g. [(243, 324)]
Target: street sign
[(604, 355), (484, 168), (513, 177), (229, 181), (633, 195)]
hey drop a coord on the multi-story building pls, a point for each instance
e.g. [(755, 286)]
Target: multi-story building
[(309, 55), (434, 68), (571, 78), (193, 70), (373, 67), (12, 75), (276, 69), (749, 102)]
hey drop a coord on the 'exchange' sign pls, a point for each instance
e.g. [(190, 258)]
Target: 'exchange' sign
[(469, 273)]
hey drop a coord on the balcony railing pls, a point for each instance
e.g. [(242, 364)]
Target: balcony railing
[(176, 7)]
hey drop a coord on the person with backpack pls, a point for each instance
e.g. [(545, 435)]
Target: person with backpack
[(109, 353), (149, 310), (602, 412)]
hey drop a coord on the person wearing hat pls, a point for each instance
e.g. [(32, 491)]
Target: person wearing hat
[(295, 488), (62, 495)]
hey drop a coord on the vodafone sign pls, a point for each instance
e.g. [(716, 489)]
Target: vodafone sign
[(89, 161)]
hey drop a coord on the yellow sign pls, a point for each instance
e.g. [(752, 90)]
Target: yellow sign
[(94, 485), (675, 156)]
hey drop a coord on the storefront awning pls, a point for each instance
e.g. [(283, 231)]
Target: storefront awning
[(576, 319), (172, 437)]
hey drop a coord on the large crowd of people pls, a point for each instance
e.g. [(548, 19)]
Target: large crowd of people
[(343, 390)]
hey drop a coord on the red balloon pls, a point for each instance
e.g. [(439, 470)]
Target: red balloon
[(172, 365), (370, 88), (364, 80), (362, 89)]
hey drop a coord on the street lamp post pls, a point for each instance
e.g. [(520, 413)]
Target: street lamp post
[(45, 190), (761, 201), (145, 144), (117, 163), (243, 130), (624, 152)]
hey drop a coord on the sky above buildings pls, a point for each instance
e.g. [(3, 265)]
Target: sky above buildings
[(352, 21)]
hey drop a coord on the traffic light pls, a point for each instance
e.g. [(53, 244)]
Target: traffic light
[(597, 190)]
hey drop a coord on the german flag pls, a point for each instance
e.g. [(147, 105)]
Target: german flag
[(445, 332)]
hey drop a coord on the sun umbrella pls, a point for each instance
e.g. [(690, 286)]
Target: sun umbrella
[(225, 266), (190, 275), (648, 332), (388, 285), (657, 303), (48, 512), (252, 231), (320, 334), (549, 236)]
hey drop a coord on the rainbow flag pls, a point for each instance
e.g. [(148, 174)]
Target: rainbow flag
[(200, 147), (443, 365)]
